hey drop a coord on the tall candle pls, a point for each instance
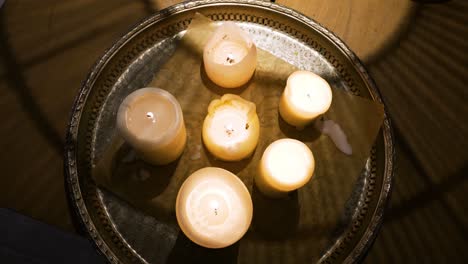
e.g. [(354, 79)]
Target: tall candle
[(306, 96), (286, 165), (230, 56), (214, 208), (152, 122), (231, 129)]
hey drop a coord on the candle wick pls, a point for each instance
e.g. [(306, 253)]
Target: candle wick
[(230, 58), (229, 129), (150, 115), (246, 126), (216, 211)]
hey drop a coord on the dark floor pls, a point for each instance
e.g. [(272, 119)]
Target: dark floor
[(47, 48)]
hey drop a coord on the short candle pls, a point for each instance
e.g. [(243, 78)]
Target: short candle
[(231, 129), (152, 122), (214, 208), (286, 165), (230, 56), (306, 96)]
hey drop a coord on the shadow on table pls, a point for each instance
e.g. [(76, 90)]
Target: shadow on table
[(185, 251)]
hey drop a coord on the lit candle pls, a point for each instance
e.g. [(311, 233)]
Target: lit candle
[(152, 122), (305, 97), (214, 208), (286, 165), (231, 129), (230, 56)]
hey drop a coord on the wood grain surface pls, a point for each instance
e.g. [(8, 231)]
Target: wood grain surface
[(415, 52)]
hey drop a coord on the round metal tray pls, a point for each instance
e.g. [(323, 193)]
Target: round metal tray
[(125, 234)]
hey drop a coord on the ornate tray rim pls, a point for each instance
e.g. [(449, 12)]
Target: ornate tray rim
[(74, 193)]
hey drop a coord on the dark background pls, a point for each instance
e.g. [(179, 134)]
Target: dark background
[(417, 54)]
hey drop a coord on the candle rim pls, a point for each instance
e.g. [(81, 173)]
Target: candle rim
[(135, 96)]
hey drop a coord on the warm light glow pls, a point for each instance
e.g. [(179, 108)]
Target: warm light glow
[(230, 56), (231, 128), (305, 97), (214, 208), (151, 116), (230, 122), (286, 165), (158, 142)]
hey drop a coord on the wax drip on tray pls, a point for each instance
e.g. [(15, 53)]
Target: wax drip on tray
[(336, 134)]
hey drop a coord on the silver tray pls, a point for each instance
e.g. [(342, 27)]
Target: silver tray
[(125, 234)]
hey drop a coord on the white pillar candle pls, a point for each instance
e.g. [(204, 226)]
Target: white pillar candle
[(230, 56), (231, 129), (214, 208), (306, 96), (286, 165), (152, 122)]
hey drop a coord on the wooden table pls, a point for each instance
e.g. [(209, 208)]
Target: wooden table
[(416, 53)]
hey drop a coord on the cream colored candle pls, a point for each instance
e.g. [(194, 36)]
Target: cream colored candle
[(305, 97), (214, 208), (151, 121), (286, 165), (231, 129), (230, 56)]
